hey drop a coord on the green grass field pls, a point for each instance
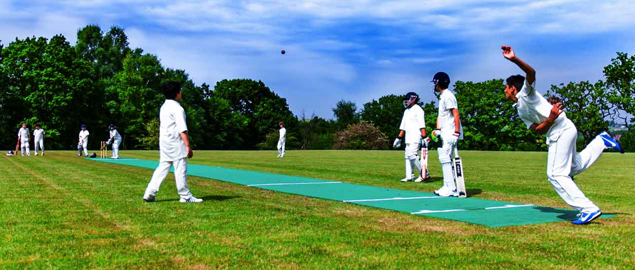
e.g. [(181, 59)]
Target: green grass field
[(64, 212)]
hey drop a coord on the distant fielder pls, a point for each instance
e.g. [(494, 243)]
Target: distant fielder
[(23, 138), (174, 146), (38, 139), (282, 141), (414, 126), (450, 130), (83, 141), (549, 119), (115, 140)]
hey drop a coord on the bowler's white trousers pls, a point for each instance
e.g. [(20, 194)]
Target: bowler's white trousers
[(180, 175), (281, 145), (563, 162)]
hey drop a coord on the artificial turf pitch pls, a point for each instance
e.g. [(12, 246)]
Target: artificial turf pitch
[(488, 213)]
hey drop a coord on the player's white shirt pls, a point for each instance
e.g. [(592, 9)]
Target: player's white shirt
[(533, 108), (83, 135), (38, 134), (412, 122), (172, 124), (23, 133), (447, 101), (115, 134), (283, 134)]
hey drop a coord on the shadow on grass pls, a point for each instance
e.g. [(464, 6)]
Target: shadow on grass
[(433, 179), (205, 198), (472, 192)]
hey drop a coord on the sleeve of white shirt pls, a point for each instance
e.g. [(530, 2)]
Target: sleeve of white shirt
[(528, 89), (450, 103), (283, 134), (402, 126), (528, 123), (179, 118)]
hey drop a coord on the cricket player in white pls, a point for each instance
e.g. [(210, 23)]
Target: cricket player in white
[(115, 139), (282, 141), (38, 139), (23, 137), (414, 126), (174, 146), (561, 135), (83, 141), (449, 129)]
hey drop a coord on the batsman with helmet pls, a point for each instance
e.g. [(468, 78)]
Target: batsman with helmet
[(414, 126)]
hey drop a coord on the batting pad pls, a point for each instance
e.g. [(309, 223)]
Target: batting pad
[(471, 210)]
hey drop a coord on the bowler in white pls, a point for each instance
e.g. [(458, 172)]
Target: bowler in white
[(174, 146), (561, 134), (282, 141)]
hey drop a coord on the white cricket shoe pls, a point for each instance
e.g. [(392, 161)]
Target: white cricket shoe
[(445, 192), (191, 200), (419, 180), (149, 198), (406, 180)]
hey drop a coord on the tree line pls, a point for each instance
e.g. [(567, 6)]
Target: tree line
[(101, 80)]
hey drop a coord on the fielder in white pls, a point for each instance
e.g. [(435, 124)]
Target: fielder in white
[(282, 141), (83, 141), (561, 134), (23, 137), (115, 139), (174, 146), (38, 139), (449, 129), (414, 126)]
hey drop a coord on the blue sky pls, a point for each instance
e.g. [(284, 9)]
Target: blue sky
[(355, 50)]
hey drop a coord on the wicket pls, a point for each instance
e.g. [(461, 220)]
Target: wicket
[(104, 149)]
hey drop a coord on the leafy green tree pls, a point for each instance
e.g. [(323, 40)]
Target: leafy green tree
[(620, 78), (135, 98), (316, 132), (256, 111), (345, 113), (587, 105), (385, 113), (489, 121), (361, 136)]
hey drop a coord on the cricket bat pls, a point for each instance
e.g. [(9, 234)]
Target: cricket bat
[(458, 174), (17, 146), (424, 163)]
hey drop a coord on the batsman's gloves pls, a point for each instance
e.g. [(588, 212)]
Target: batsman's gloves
[(453, 138), (425, 141), (435, 135), (397, 143)]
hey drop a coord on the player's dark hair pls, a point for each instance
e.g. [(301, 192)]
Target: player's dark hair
[(171, 89), (517, 81), (281, 123)]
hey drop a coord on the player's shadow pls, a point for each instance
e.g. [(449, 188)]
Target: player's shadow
[(206, 198), (569, 215), (472, 192), (433, 179), (564, 214)]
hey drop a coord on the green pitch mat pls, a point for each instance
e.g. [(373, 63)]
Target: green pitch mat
[(471, 210)]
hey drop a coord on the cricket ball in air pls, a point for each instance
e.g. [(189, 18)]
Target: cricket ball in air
[(283, 52)]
